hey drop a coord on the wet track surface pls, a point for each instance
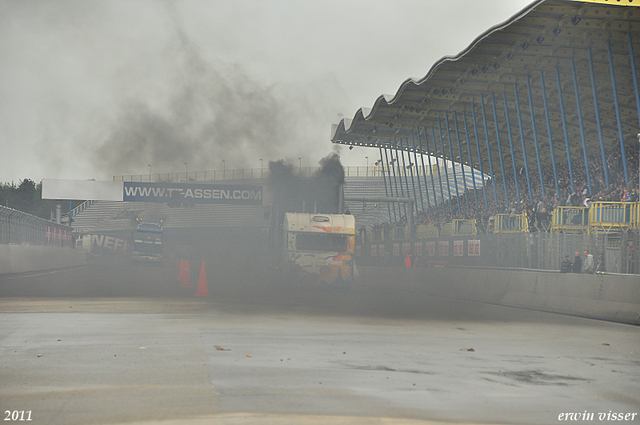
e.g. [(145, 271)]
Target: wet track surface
[(115, 343)]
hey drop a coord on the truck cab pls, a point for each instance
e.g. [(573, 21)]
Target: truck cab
[(148, 242), (319, 248)]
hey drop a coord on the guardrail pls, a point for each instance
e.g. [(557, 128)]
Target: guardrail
[(510, 223), (464, 227), (240, 174), (569, 219), (425, 231), (601, 215), (614, 215), (83, 206), (261, 173)]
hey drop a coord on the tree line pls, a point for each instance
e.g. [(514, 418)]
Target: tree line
[(26, 196)]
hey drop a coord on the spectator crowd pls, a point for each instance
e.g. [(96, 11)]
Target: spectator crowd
[(537, 206)]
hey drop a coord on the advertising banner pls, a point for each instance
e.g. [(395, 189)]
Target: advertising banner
[(374, 250), (431, 248), (193, 193), (417, 249), (473, 248), (458, 248), (443, 248), (58, 236)]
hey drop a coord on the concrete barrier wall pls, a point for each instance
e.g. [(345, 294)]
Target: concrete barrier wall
[(606, 297), (23, 258)]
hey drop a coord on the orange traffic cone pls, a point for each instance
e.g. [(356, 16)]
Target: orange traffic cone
[(202, 290), (185, 274)]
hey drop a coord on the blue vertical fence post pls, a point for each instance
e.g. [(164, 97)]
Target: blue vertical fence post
[(524, 151), (546, 114), (453, 164), (461, 162), (386, 191), (473, 173), (404, 207), (584, 142), (564, 128), (615, 102), (635, 87), (475, 130), (595, 104), (404, 170), (415, 158), (435, 150), (433, 183), (486, 136), (444, 160), (424, 172), (413, 183), (395, 182), (633, 74), (495, 120), (513, 156), (535, 136)]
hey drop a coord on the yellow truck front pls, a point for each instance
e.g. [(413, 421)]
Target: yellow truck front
[(319, 248)]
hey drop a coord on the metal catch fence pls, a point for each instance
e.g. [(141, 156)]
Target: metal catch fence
[(19, 228), (613, 252)]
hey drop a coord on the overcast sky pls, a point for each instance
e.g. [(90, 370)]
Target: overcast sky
[(92, 89)]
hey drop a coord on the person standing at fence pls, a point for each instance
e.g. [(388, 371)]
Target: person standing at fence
[(577, 263), (566, 265), (601, 262), (588, 263)]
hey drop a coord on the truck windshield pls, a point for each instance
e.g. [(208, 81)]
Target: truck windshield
[(147, 248), (321, 242), (148, 236)]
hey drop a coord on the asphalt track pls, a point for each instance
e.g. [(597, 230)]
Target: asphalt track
[(114, 343)]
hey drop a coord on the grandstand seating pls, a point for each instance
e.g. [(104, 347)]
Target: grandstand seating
[(105, 216)]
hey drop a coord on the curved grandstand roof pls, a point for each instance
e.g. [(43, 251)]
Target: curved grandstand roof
[(555, 65)]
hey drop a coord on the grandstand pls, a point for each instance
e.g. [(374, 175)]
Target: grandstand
[(110, 216), (546, 108), (544, 104)]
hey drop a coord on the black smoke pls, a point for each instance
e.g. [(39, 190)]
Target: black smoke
[(320, 193), (213, 112)]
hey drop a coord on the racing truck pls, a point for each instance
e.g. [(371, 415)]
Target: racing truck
[(148, 242), (316, 249)]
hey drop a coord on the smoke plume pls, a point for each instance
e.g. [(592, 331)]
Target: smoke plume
[(214, 112), (319, 193)]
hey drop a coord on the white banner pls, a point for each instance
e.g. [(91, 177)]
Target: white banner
[(82, 190), (458, 248), (473, 248), (443, 248)]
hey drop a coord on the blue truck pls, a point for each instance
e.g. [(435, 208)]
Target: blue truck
[(148, 243)]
